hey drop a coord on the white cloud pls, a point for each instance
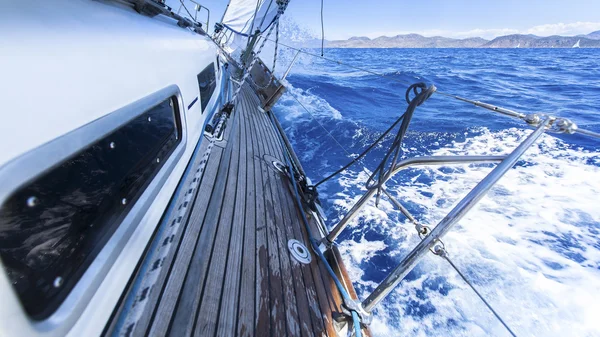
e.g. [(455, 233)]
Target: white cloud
[(565, 29), (575, 28)]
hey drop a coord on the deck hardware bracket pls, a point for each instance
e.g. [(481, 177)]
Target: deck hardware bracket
[(279, 166), (533, 119), (352, 305), (564, 125), (299, 251), (228, 108)]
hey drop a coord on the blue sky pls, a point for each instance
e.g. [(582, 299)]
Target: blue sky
[(451, 18)]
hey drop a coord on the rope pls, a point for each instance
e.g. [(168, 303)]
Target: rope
[(422, 93), (235, 31), (442, 253), (267, 11), (362, 154), (276, 45)]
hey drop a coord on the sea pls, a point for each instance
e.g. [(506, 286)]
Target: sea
[(531, 247)]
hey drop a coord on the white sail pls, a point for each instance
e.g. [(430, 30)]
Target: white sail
[(240, 19), (576, 45)]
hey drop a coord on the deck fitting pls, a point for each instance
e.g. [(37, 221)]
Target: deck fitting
[(279, 166), (299, 251)]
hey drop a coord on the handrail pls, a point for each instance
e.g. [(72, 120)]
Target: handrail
[(197, 9), (456, 214)]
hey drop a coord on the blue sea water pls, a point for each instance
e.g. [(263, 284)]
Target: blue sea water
[(532, 246)]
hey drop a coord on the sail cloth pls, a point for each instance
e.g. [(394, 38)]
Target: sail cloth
[(240, 19)]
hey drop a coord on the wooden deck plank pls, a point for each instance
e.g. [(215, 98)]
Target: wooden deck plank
[(263, 296), (289, 289), (295, 230), (229, 303), (277, 309), (178, 258), (300, 288), (214, 284), (327, 300), (169, 297), (247, 293), (189, 299)]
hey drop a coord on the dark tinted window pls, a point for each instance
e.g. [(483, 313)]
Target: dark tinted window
[(54, 226), (207, 83)]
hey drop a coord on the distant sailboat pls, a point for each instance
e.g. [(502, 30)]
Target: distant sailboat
[(518, 46), (576, 45)]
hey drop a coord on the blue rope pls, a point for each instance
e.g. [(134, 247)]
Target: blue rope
[(235, 31), (249, 35), (314, 244)]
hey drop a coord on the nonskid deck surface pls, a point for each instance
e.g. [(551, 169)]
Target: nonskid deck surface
[(225, 269)]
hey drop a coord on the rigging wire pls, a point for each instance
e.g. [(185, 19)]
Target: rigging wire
[(265, 16), (362, 154), (258, 3), (322, 30), (442, 253), (335, 141)]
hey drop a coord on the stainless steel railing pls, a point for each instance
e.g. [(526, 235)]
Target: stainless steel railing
[(197, 8), (431, 237), (455, 215)]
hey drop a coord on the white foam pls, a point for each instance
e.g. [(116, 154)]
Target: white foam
[(531, 246)]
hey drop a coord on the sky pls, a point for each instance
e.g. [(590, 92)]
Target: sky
[(450, 18)]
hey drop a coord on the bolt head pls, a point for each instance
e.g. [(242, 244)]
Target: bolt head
[(58, 281), (124, 201), (32, 201), (112, 145)]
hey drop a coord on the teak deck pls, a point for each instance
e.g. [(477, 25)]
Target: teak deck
[(228, 271)]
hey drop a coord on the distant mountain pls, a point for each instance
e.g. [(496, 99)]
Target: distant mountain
[(407, 41), (591, 40), (594, 35), (533, 41)]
